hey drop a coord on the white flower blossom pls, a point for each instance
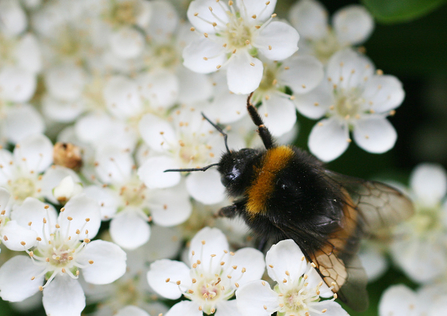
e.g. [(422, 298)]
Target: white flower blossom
[(351, 25), (212, 278), (298, 291), (419, 245), (399, 300), (234, 35), (354, 99), (63, 251)]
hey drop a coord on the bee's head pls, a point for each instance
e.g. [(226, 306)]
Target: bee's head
[(236, 170)]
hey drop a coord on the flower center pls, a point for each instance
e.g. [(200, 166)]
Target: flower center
[(325, 47), (427, 220), (269, 80), (238, 32), (348, 105), (124, 12), (295, 300), (22, 188), (165, 56), (133, 193)]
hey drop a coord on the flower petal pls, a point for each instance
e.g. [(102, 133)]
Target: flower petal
[(205, 246), (328, 139), (206, 187), (18, 238), (393, 301), (277, 41), (153, 175), (353, 24), (122, 97), (279, 114), (107, 199), (170, 207), (185, 308), (65, 82), (109, 262), (131, 310), (156, 132), (262, 10), (80, 213), (160, 87), (202, 14), (31, 214), (126, 42), (129, 230), (315, 103), (256, 298), (375, 134), (227, 107), (225, 308), (203, 56), (16, 283), (113, 165), (36, 151), (163, 275), (252, 260), (22, 121), (329, 307), (285, 256), (309, 17), (244, 73), (64, 296), (383, 93), (18, 85), (302, 73), (429, 182), (348, 69)]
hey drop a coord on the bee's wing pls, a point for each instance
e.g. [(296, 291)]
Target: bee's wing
[(378, 204), (339, 268)]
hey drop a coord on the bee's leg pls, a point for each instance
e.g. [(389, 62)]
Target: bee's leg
[(232, 210), (227, 211), (262, 243), (263, 131)]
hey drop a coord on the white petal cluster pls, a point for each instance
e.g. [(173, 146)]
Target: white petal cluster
[(298, 291), (355, 98), (419, 246), (213, 275), (61, 251), (233, 36)]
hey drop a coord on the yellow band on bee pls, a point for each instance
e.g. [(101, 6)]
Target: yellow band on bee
[(259, 192)]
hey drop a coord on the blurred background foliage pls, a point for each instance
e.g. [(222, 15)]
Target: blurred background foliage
[(409, 41)]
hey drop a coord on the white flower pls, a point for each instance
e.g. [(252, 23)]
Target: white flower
[(130, 204), (419, 245), (26, 172), (351, 25), (399, 300), (62, 252), (300, 73), (214, 275), (12, 235), (234, 35), (187, 141), (298, 291), (353, 98)]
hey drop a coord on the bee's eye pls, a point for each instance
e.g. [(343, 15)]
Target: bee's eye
[(233, 174)]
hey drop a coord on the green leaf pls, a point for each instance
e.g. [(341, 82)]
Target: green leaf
[(394, 11)]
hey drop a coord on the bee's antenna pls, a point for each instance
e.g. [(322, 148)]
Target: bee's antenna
[(192, 169), (220, 130), (263, 131)]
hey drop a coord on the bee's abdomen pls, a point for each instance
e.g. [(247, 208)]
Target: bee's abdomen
[(263, 185)]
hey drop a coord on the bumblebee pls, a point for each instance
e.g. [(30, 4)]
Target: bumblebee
[(283, 192)]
